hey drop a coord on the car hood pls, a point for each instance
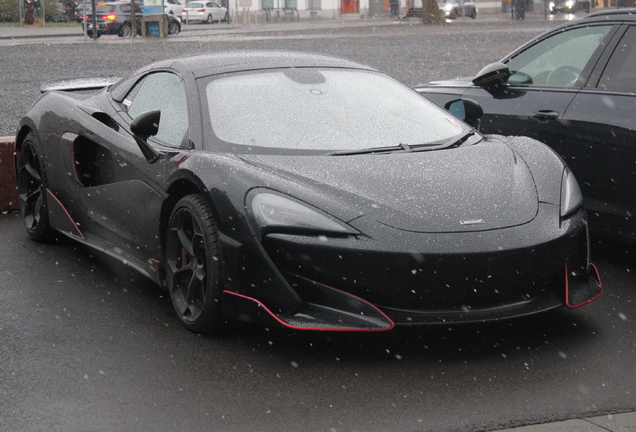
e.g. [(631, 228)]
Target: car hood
[(482, 187)]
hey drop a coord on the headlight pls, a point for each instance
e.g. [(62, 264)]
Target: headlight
[(569, 3), (571, 196), (552, 5), (448, 7), (275, 211)]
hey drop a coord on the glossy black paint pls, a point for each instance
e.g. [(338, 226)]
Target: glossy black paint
[(591, 127), (466, 234)]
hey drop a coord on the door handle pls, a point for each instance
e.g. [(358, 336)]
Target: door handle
[(544, 115)]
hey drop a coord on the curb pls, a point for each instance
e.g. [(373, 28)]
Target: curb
[(8, 185)]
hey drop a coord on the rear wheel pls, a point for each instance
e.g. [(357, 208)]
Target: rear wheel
[(31, 179), (125, 30), (210, 19), (473, 14), (193, 265), (173, 28)]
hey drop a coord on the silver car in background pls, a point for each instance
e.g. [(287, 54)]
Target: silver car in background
[(208, 12)]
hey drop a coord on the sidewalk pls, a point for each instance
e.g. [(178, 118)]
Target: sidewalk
[(610, 423)]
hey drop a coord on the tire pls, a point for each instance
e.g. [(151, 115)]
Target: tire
[(193, 265), (125, 30), (32, 184), (473, 14), (173, 28), (210, 19)]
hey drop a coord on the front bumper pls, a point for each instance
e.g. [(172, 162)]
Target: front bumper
[(313, 282)]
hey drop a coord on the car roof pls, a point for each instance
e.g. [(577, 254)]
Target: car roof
[(234, 61), (628, 14)]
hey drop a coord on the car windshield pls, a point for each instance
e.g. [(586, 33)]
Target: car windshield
[(326, 109)]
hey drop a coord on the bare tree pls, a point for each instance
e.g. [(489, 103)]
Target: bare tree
[(431, 13)]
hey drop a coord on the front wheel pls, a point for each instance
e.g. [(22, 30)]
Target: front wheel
[(193, 265), (473, 14), (31, 179)]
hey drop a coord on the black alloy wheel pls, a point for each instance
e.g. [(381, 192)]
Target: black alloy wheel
[(193, 265), (31, 179)]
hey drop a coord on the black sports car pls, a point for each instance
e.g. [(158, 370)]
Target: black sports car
[(573, 88), (303, 190)]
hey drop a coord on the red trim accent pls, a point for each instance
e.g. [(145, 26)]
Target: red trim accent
[(567, 288), (183, 159), (67, 213), (284, 324)]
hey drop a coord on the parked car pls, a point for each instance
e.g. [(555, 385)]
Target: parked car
[(569, 6), (452, 9), (574, 88), (305, 191), (173, 7), (114, 18), (63, 12), (207, 12)]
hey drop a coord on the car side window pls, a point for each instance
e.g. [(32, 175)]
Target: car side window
[(620, 72), (162, 91), (558, 60)]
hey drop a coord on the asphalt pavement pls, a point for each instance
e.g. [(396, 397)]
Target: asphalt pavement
[(625, 422)]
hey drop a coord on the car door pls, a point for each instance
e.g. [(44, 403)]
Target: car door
[(600, 141), (545, 78), (214, 9), (124, 194)]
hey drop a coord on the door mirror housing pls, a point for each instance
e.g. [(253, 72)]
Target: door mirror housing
[(465, 109), (492, 76), (144, 126)]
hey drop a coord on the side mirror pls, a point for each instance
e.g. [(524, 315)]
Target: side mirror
[(144, 126), (465, 109), (493, 75)]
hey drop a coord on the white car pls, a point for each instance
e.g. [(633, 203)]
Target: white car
[(203, 11), (173, 7)]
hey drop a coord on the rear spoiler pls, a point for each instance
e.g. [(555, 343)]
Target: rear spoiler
[(77, 84)]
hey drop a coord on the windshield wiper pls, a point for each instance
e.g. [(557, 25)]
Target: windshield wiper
[(399, 147), (444, 144), (406, 148)]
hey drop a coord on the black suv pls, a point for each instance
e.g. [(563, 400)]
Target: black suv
[(114, 18), (574, 88)]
